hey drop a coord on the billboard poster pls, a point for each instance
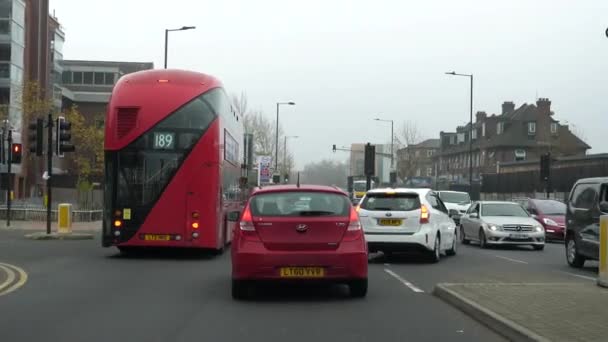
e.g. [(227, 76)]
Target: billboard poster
[(264, 171)]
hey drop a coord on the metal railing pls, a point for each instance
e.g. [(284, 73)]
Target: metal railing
[(39, 214)]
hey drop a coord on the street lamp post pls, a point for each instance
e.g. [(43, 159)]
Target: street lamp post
[(276, 144), (392, 139), (285, 151), (470, 76), (183, 28)]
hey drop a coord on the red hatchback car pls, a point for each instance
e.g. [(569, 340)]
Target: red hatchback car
[(550, 213), (299, 233)]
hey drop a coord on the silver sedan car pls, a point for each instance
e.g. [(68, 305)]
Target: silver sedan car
[(500, 223)]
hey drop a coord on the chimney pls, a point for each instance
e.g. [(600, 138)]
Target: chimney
[(480, 116), (508, 107), (544, 106)]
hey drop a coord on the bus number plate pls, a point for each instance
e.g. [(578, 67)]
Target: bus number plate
[(157, 237)]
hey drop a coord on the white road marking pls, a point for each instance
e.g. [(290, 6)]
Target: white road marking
[(387, 264), (512, 260), (403, 281), (581, 276)]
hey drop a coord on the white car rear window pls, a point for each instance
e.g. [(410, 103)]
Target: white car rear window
[(391, 202)]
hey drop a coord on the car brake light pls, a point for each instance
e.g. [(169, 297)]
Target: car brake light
[(424, 214), (354, 223), (246, 223), (354, 231)]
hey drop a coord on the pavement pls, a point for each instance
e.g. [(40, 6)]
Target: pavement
[(78, 291), (41, 226)]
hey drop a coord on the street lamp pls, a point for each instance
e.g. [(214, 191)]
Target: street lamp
[(276, 155), (470, 76), (183, 28), (285, 151), (392, 138)]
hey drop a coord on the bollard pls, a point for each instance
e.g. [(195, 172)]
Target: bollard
[(64, 218), (602, 279)]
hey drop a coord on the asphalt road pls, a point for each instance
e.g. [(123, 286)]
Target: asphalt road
[(78, 291)]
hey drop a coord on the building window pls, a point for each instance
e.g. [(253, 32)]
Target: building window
[(429, 153), (77, 77), (417, 153), (500, 127), (88, 77), (554, 128), (483, 129), (99, 78), (109, 78), (460, 138), (429, 171), (66, 77), (520, 155), (474, 134), (531, 128)]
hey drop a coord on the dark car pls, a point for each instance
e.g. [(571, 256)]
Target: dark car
[(588, 200), (550, 213)]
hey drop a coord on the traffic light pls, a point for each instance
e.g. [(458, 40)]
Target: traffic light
[(16, 152), (286, 178), (545, 166), (334, 148), (370, 159), (36, 136), (64, 136)]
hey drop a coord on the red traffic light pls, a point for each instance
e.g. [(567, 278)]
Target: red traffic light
[(16, 148)]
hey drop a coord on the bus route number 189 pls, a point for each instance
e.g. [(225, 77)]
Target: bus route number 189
[(164, 140)]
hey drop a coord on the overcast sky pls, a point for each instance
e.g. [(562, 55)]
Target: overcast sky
[(346, 62)]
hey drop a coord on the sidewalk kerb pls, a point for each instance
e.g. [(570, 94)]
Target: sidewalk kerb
[(496, 322), (59, 236)]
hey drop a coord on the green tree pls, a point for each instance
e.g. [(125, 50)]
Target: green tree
[(88, 139)]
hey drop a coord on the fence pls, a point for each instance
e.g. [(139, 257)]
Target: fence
[(39, 214), (562, 180)]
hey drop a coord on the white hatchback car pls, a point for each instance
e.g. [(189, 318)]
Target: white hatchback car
[(401, 220)]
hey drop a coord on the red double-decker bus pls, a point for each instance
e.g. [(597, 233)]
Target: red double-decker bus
[(172, 162)]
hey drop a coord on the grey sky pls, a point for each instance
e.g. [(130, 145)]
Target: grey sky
[(344, 62)]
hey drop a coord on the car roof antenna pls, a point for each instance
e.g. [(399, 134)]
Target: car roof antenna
[(298, 183)]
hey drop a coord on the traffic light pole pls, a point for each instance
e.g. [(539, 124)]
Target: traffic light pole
[(8, 176), (49, 166)]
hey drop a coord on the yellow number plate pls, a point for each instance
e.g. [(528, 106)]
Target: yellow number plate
[(157, 237), (390, 222), (302, 272)]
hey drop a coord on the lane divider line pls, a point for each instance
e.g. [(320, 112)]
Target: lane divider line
[(581, 276), (10, 277), (20, 282), (403, 281), (512, 260)]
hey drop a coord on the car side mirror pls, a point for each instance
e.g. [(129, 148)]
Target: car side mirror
[(233, 216), (453, 212), (474, 215), (604, 207)]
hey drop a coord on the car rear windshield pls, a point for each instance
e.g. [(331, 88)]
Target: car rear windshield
[(503, 209), (550, 207), (300, 203), (455, 197), (393, 202)]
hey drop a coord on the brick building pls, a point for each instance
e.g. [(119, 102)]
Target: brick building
[(516, 134), (418, 160)]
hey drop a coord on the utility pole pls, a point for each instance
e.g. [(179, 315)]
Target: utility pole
[(8, 177), (49, 166)]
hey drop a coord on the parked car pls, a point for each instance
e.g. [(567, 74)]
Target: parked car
[(588, 200), (501, 223), (455, 200), (550, 213), (401, 220), (299, 233)]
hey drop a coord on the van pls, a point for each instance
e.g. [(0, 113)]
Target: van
[(588, 201)]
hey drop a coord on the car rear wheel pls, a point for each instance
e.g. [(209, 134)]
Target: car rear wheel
[(452, 250), (572, 255), (436, 252), (463, 238), (482, 239), (240, 289), (358, 288), (538, 247)]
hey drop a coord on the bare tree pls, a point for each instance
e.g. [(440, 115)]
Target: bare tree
[(408, 158), (240, 104)]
